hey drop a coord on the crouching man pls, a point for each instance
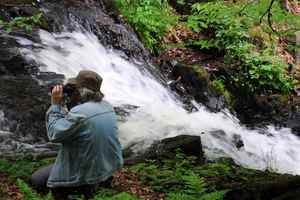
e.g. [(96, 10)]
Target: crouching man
[(90, 151)]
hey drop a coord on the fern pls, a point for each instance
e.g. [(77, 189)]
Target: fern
[(194, 185), (177, 179)]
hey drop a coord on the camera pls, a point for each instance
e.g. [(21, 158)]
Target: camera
[(68, 91)]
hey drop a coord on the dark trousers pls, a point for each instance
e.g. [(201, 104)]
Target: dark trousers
[(39, 182)]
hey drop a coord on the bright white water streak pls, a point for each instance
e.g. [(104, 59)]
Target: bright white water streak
[(159, 114)]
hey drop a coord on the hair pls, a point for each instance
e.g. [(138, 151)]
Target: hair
[(90, 95)]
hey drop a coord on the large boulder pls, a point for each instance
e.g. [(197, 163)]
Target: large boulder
[(167, 148)]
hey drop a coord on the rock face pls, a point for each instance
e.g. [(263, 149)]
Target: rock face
[(23, 101), (62, 15), (166, 149), (24, 90)]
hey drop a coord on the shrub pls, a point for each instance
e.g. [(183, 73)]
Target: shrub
[(253, 71), (150, 18)]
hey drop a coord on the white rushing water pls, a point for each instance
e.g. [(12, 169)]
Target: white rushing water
[(160, 114)]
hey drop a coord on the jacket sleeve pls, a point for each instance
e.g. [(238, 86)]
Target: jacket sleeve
[(62, 126)]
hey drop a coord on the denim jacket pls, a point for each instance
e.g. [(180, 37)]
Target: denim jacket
[(90, 151)]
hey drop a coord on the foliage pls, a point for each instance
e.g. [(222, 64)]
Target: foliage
[(284, 22), (121, 196), (22, 168), (254, 71), (194, 189), (28, 194), (177, 179), (150, 18), (26, 23), (102, 194)]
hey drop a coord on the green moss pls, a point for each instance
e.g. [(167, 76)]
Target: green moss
[(219, 87), (201, 73), (257, 33)]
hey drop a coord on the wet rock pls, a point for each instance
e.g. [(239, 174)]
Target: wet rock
[(24, 103), (196, 85), (24, 100), (265, 109), (124, 111), (92, 17), (237, 141), (166, 149), (11, 59), (281, 188), (74, 15)]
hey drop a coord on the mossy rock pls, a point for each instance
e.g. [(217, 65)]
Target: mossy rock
[(217, 86), (201, 73)]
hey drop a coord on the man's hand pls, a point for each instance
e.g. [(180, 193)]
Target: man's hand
[(57, 95)]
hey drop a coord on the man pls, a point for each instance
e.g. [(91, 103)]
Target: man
[(90, 152)]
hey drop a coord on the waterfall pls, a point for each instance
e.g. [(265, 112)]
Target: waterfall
[(159, 113)]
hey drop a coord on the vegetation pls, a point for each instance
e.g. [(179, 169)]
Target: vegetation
[(102, 194), (183, 183), (150, 19), (27, 166), (250, 34), (255, 70), (177, 179), (219, 86), (26, 23)]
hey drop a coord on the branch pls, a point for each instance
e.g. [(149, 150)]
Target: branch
[(268, 11)]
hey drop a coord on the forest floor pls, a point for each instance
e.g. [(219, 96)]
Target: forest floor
[(182, 178)]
